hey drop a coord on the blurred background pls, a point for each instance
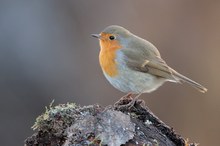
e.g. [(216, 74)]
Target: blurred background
[(46, 53)]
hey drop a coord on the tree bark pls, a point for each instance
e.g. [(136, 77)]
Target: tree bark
[(118, 125)]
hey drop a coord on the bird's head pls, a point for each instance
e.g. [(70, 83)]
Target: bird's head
[(113, 37)]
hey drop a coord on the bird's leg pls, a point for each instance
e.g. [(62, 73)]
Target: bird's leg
[(130, 104), (124, 97), (128, 96)]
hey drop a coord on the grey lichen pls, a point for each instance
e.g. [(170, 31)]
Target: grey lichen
[(112, 128), (117, 128)]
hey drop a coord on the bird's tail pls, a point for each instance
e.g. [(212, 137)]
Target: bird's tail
[(190, 82)]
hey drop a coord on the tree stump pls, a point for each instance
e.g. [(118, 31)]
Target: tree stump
[(118, 125)]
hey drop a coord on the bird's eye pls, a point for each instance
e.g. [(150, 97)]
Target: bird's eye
[(111, 37)]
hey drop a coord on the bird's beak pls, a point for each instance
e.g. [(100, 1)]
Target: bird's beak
[(96, 36)]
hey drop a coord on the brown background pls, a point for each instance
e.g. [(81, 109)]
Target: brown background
[(46, 53)]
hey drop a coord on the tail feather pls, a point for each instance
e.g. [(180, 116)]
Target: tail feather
[(190, 82)]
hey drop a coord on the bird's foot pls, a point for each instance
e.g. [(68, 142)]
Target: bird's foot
[(126, 97), (121, 101), (128, 102)]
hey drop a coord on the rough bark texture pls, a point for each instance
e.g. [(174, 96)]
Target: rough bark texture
[(118, 125)]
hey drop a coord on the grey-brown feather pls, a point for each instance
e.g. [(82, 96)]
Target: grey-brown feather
[(147, 59), (155, 66)]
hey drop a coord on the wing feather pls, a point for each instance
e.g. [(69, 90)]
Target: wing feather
[(148, 63)]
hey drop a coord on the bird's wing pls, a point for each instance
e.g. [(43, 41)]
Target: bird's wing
[(148, 62)]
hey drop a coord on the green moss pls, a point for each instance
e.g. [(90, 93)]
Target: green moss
[(56, 118)]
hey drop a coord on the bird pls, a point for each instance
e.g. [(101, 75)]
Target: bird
[(133, 65)]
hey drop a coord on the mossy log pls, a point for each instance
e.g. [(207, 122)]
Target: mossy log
[(118, 125)]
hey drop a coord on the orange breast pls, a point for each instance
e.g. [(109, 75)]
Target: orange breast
[(107, 56)]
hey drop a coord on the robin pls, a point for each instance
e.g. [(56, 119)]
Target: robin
[(134, 65)]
